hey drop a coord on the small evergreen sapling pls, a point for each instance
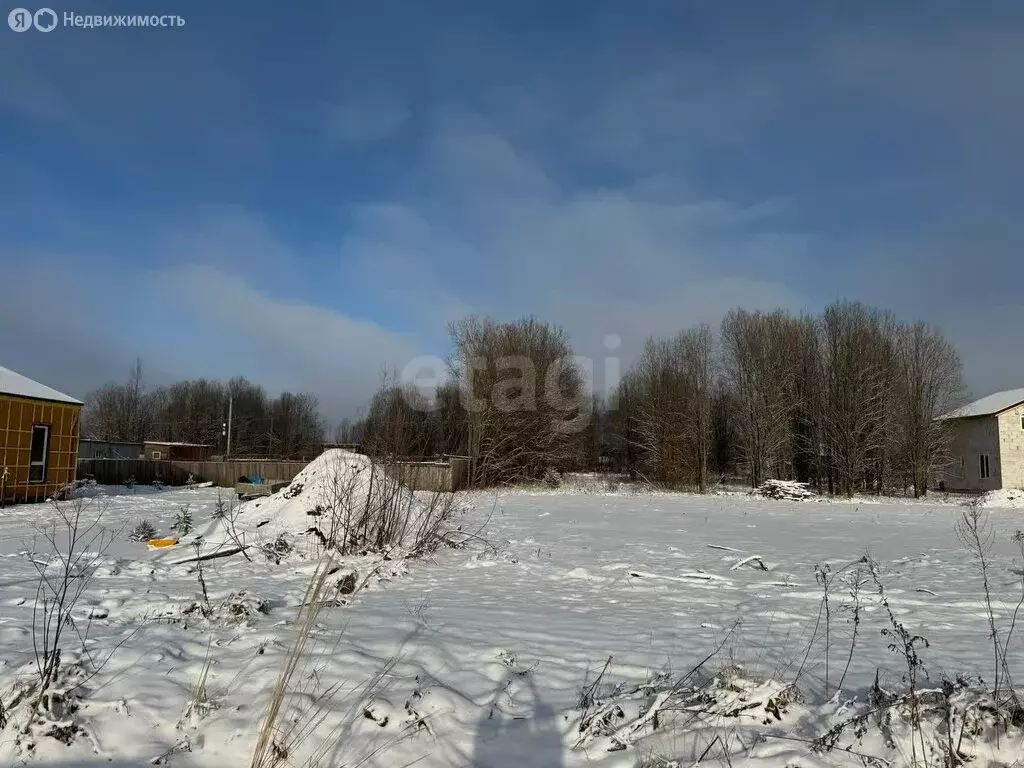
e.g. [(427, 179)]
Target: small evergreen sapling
[(183, 521), (143, 531)]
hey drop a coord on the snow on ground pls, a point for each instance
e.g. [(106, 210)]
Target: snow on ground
[(483, 651), (1008, 498)]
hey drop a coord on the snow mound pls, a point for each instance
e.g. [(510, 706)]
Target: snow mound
[(1011, 498), (789, 490), (333, 477), (340, 499)]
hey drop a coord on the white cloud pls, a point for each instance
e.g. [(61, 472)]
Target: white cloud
[(289, 345), (208, 312), (489, 230)]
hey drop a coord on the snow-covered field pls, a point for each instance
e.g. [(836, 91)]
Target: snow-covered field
[(477, 656)]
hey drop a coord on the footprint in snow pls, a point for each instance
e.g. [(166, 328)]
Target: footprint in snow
[(93, 612)]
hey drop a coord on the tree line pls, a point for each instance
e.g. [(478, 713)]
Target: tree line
[(846, 401), (196, 411)]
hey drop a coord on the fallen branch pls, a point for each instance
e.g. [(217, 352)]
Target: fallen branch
[(756, 559), (627, 734), (212, 555)]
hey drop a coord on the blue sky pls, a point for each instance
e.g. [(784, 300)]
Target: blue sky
[(309, 197)]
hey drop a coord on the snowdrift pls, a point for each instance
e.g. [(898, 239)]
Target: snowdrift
[(1010, 498), (341, 500)]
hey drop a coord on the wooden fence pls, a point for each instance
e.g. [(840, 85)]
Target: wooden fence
[(452, 474), (221, 473)]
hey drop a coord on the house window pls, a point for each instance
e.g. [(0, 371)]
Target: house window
[(39, 454), (985, 469), (1022, 422), (157, 455)]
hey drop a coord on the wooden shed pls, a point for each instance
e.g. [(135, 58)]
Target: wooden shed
[(159, 450), (38, 438), (108, 449)]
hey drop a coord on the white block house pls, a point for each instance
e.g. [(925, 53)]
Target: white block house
[(988, 444)]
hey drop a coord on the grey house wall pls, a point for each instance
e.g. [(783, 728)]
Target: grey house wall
[(971, 438), (1011, 447)]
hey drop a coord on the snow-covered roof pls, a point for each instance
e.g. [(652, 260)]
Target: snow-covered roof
[(988, 406), (178, 445), (12, 383)]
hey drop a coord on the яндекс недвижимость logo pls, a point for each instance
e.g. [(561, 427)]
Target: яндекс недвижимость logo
[(46, 20), (22, 20)]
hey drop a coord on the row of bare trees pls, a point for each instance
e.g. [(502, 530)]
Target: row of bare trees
[(846, 401), (667, 401), (195, 411)]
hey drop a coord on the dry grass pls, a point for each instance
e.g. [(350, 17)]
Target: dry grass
[(365, 509), (299, 706)]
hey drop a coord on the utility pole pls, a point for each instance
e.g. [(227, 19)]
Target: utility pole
[(231, 403)]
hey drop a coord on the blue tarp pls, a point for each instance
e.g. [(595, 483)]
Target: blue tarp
[(256, 480)]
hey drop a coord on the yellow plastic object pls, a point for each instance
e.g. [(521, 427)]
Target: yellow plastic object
[(161, 543)]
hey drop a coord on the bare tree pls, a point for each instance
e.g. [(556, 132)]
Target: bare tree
[(697, 348), (399, 423), (758, 366), (624, 417), (350, 431), (857, 352), (523, 395), (297, 428), (119, 412), (671, 391), (930, 383), (809, 457)]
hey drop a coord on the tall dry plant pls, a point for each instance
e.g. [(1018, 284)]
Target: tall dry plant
[(77, 540), (975, 533), (291, 730)]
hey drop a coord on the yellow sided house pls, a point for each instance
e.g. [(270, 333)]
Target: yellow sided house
[(38, 438), (988, 444)]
